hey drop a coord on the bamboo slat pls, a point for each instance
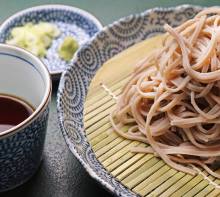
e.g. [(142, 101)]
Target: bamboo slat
[(144, 174)]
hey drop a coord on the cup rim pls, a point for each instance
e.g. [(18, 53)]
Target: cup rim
[(46, 98)]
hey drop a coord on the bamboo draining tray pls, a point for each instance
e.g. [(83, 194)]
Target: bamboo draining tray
[(144, 174)]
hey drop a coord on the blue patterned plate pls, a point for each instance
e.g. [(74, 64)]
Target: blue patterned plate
[(71, 21), (76, 79)]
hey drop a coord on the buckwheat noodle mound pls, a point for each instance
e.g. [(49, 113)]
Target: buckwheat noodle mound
[(172, 101)]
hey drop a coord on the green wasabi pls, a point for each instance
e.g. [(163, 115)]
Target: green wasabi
[(68, 48), (36, 38)]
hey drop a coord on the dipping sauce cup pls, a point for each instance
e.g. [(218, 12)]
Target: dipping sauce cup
[(24, 76)]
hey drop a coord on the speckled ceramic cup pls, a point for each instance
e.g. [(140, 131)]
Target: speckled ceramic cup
[(24, 76)]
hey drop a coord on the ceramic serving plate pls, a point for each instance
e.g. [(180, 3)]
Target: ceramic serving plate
[(70, 20), (75, 81)]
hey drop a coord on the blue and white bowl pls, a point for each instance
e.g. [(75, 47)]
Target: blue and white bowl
[(70, 20), (76, 79)]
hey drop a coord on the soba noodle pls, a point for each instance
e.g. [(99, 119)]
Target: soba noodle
[(172, 101)]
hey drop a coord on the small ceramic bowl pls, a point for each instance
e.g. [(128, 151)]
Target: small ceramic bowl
[(24, 76), (70, 21)]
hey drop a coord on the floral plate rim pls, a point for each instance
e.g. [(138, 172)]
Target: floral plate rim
[(62, 7)]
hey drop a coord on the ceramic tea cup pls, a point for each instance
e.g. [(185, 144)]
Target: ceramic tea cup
[(24, 76)]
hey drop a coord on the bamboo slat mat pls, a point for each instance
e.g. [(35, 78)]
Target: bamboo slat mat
[(144, 174)]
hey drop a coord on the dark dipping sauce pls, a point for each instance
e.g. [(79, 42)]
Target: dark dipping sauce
[(13, 111)]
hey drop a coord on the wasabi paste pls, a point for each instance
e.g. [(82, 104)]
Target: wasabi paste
[(36, 38), (68, 48)]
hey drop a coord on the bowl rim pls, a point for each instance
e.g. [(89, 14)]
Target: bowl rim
[(60, 111), (86, 14), (44, 101)]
